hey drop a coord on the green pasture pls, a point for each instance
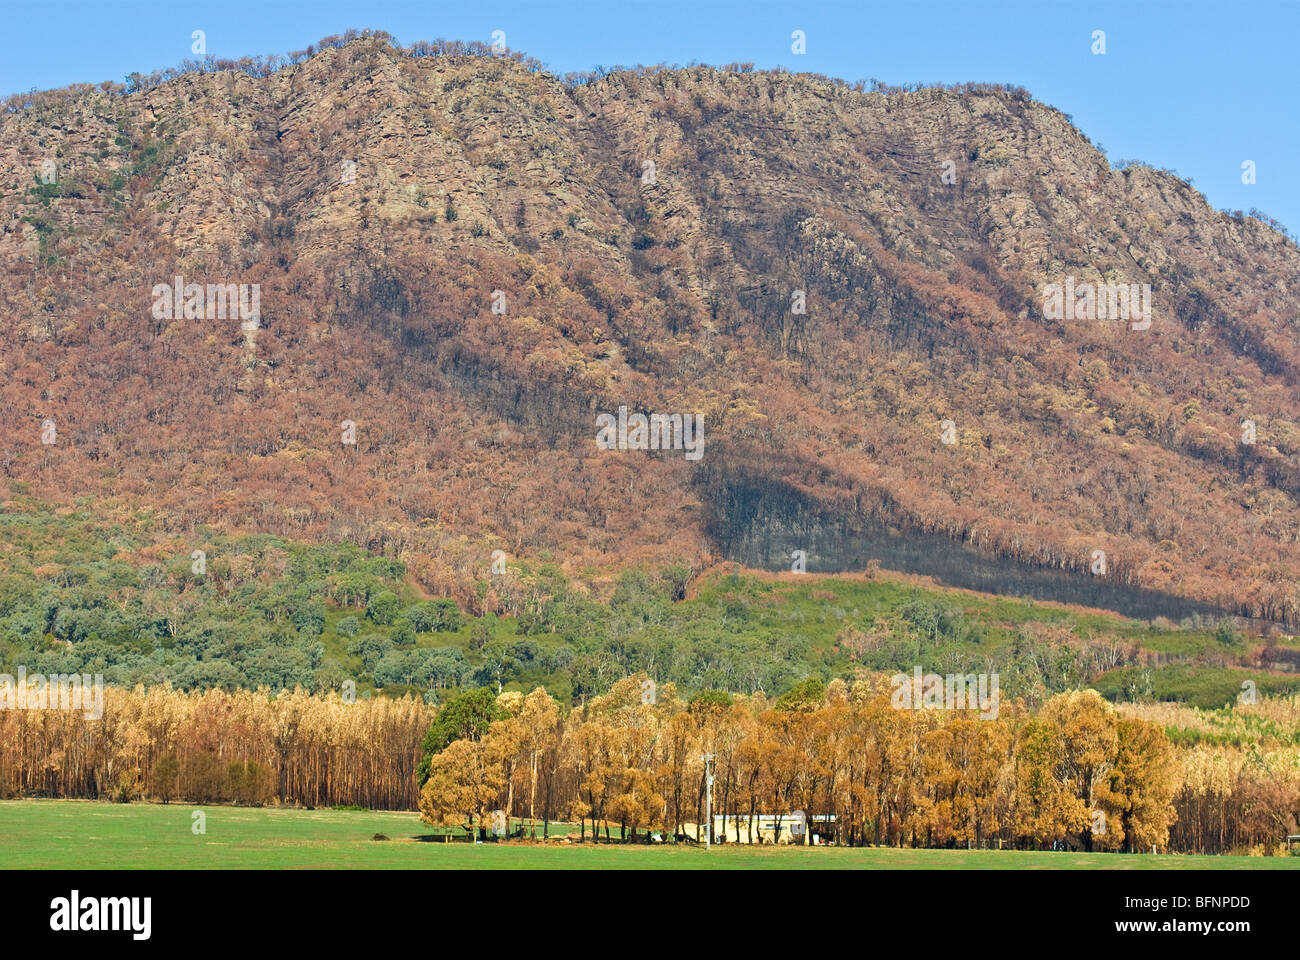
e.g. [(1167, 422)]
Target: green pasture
[(78, 834)]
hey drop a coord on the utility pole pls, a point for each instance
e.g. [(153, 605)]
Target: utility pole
[(708, 801)]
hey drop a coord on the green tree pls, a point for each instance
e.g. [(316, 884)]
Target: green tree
[(383, 607), (465, 716), (807, 693)]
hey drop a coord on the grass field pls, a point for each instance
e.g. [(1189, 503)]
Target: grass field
[(71, 834)]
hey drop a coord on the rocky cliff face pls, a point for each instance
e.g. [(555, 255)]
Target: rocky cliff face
[(470, 260)]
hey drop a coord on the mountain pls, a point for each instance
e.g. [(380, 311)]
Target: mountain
[(469, 260)]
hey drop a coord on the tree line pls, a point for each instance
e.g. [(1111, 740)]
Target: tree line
[(1076, 773), (247, 747)]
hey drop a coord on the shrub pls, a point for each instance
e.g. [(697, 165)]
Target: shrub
[(162, 779), (251, 784), (127, 787)]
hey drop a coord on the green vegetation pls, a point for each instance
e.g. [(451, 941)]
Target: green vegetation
[(466, 716), (1196, 685), (71, 834), (82, 594)]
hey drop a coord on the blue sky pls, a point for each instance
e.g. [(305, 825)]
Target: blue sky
[(1191, 85)]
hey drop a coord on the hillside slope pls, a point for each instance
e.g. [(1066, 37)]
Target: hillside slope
[(647, 232)]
